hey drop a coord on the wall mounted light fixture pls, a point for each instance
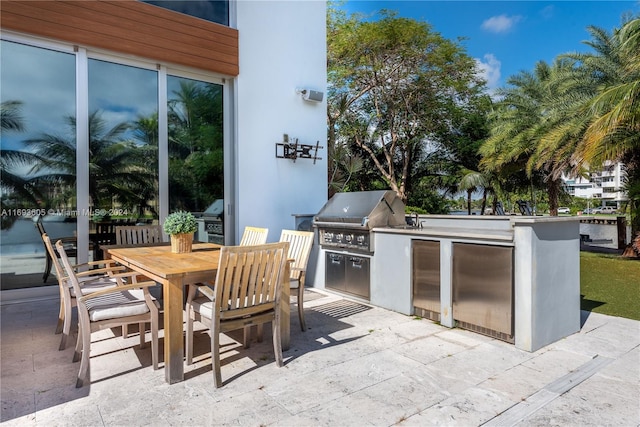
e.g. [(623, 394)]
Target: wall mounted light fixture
[(310, 94)]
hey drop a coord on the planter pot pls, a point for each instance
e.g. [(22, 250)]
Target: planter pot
[(181, 243)]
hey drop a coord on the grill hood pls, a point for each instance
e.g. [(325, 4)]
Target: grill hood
[(215, 210), (362, 209)]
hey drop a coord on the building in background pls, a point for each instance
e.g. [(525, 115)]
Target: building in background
[(601, 188)]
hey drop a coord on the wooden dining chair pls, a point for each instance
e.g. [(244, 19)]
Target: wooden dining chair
[(128, 302), (300, 244), (70, 243), (92, 280), (138, 234), (254, 236), (246, 292)]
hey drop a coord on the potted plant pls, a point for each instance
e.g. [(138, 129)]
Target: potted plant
[(181, 226)]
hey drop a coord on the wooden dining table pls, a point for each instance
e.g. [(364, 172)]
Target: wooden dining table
[(174, 271)]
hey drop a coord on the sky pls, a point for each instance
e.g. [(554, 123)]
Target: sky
[(506, 37)]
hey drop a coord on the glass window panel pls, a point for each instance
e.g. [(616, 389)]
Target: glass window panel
[(37, 158), (196, 160), (123, 148), (212, 10)]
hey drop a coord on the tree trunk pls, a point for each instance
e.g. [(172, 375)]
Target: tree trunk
[(633, 249), (469, 202), (553, 190), (484, 201)]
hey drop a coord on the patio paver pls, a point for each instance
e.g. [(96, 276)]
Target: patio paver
[(356, 365)]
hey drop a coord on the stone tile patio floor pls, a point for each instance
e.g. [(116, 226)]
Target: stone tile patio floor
[(356, 366)]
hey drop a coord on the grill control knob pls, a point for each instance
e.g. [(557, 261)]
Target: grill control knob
[(328, 236), (348, 238), (360, 239), (339, 237)]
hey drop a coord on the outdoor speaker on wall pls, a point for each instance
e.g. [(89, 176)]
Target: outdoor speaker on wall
[(310, 95)]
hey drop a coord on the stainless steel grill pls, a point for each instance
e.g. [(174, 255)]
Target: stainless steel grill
[(347, 219), (211, 223), (344, 225)]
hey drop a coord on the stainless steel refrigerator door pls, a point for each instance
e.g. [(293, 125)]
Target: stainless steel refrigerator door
[(426, 275), (482, 281)]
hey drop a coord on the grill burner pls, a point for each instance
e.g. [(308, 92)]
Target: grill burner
[(348, 239)]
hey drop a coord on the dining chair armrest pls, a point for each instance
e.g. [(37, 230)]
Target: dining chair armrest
[(127, 274), (204, 288), (107, 291), (67, 239), (100, 271), (207, 291), (101, 262), (105, 262)]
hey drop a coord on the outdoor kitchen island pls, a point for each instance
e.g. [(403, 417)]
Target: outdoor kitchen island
[(516, 278)]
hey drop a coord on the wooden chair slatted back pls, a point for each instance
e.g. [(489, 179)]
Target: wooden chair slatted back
[(68, 268), (138, 234), (60, 270), (254, 236), (300, 244), (248, 279)]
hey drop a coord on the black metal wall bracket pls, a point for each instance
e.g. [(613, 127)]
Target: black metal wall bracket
[(294, 150)]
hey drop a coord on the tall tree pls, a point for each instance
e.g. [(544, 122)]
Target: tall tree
[(14, 183), (395, 83), (520, 122), (115, 171), (614, 132), (597, 105), (196, 160)]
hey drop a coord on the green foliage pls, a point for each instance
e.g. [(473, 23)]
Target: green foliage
[(428, 201), (180, 222), (196, 157), (396, 86), (576, 113)]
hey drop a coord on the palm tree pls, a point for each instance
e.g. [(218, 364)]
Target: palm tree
[(470, 182), (521, 121), (605, 111), (10, 116), (115, 171), (11, 120), (196, 156), (614, 109)]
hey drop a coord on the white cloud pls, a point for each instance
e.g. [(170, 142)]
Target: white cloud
[(489, 69), (548, 12), (501, 23)]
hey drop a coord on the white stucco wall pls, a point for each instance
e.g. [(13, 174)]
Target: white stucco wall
[(282, 46)]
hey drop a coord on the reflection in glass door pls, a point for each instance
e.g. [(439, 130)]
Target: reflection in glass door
[(123, 149), (37, 159), (113, 121), (196, 156)]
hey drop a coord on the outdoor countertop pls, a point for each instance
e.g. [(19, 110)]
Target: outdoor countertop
[(451, 232)]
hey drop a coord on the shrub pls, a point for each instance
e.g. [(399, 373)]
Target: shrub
[(180, 222)]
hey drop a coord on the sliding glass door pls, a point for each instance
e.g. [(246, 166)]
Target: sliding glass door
[(123, 149), (196, 155), (90, 141), (38, 158)]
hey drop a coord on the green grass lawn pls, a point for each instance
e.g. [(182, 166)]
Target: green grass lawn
[(610, 285)]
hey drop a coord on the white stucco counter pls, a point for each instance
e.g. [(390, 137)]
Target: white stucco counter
[(518, 272)]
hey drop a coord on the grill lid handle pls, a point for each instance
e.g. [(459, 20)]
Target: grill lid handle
[(388, 205)]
